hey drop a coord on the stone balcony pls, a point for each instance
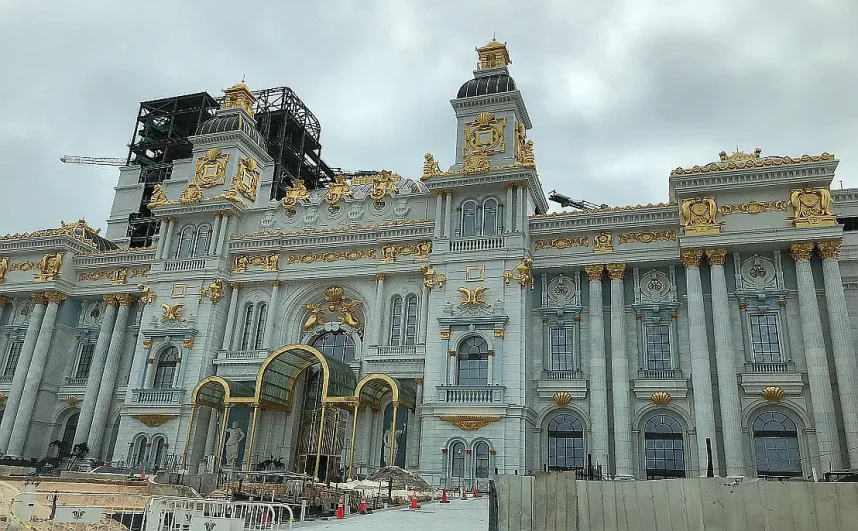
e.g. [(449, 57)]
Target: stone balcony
[(76, 382), (6, 379), (573, 382), (399, 361), (157, 397), (470, 394), (192, 264)]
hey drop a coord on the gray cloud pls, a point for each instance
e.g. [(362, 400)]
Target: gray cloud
[(620, 92)]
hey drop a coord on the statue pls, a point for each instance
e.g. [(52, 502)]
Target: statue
[(316, 317), (347, 309), (430, 167), (4, 266), (216, 290), (121, 276), (50, 266), (339, 189), (527, 155), (272, 262), (233, 444), (192, 194), (159, 197), (172, 313), (297, 191), (240, 264), (396, 441)]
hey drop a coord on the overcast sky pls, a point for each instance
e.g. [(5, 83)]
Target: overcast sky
[(619, 91)]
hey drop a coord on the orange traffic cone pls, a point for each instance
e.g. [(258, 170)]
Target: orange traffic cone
[(362, 508), (414, 501), (464, 494), (476, 493), (143, 473), (340, 511), (444, 496)]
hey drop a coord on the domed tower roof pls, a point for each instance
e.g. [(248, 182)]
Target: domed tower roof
[(231, 118), (491, 76), (491, 84)]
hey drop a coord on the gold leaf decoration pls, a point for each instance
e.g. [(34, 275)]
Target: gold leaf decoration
[(470, 422), (661, 398), (773, 393), (154, 420), (562, 398)]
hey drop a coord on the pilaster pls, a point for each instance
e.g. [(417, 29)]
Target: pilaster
[(598, 367)]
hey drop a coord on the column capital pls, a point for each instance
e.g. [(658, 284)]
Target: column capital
[(418, 381), (55, 297), (595, 271), (110, 299), (801, 251), (125, 299), (691, 257), (39, 297), (616, 271), (716, 256), (381, 276), (4, 301), (277, 283), (829, 249), (235, 285)]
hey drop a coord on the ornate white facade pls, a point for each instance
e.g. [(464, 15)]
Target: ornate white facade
[(522, 340)]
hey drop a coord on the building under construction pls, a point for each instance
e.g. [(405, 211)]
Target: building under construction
[(291, 134)]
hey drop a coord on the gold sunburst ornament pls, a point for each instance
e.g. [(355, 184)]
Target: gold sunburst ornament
[(562, 398), (661, 398), (773, 393)]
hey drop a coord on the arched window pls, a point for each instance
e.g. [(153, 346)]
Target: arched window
[(141, 451), (776, 446), (186, 243), (336, 345), (160, 447), (565, 442), (69, 431), (165, 372), (396, 321), (204, 236), (247, 328), (411, 320), (481, 459), (260, 326), (490, 217), (473, 364), (664, 448), (469, 218), (457, 459)]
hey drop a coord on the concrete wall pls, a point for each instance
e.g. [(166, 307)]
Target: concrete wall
[(556, 501)]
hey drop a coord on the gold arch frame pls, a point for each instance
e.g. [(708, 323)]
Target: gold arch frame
[(337, 377)]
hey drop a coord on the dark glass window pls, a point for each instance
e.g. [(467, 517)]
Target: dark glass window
[(664, 447), (490, 217), (658, 348), (481, 460), (473, 362), (186, 243), (469, 218), (260, 326), (396, 321), (565, 442), (849, 224), (336, 345), (457, 459), (776, 446), (85, 361), (411, 320), (141, 451), (764, 338), (69, 431), (247, 329), (561, 349), (165, 372), (204, 235), (12, 358)]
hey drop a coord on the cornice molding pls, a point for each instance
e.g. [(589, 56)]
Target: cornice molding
[(803, 174)]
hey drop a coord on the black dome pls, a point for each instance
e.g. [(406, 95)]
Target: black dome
[(487, 85), (233, 121)]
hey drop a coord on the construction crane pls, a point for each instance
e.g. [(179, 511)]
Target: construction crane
[(98, 161), (566, 201)]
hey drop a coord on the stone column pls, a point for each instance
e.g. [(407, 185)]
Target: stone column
[(448, 207), (21, 369), (510, 188), (378, 336), (701, 375), (229, 326), (520, 211), (522, 205), (620, 375), (268, 341), (728, 389), (224, 233), (162, 235), (598, 368), (218, 222), (439, 211), (168, 238), (211, 434), (423, 323), (841, 343), (111, 371), (24, 414), (414, 427), (96, 370)]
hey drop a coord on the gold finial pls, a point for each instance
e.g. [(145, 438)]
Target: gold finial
[(494, 54), (239, 96)]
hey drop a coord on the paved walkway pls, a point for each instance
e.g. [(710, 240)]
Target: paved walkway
[(456, 516)]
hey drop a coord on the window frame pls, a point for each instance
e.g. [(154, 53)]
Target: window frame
[(247, 327), (453, 459), (659, 419), (478, 458), (763, 435), (259, 329), (12, 344), (568, 334), (348, 345), (187, 234), (466, 358), (410, 324), (779, 336), (669, 350), (397, 305), (160, 375), (464, 208), (80, 359), (574, 435), (198, 233), (496, 225)]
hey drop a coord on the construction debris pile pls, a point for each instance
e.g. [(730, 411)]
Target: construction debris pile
[(401, 479)]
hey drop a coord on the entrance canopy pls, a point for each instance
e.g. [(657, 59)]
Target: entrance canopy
[(373, 387), (275, 383), (216, 392)]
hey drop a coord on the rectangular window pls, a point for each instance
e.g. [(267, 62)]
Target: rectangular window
[(764, 338), (411, 321), (12, 358), (561, 349), (396, 321), (85, 361), (658, 348)]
